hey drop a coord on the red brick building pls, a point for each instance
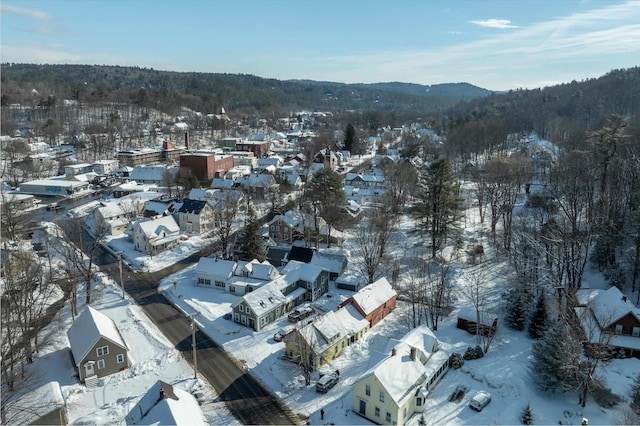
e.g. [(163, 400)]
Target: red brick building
[(206, 166), (259, 148)]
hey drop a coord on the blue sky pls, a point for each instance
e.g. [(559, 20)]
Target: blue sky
[(498, 44)]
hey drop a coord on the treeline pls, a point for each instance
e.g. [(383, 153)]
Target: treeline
[(207, 92)]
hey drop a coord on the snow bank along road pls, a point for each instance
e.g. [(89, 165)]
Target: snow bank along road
[(247, 400)]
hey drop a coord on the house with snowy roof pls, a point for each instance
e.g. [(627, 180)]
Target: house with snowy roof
[(298, 282), (334, 262), (194, 217), (364, 180), (43, 405), (374, 301), (153, 236), (214, 272), (257, 185), (156, 175), (97, 346), (165, 404), (610, 318), (323, 340), (396, 388), (114, 216)]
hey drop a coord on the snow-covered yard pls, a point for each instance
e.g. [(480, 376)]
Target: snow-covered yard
[(152, 356), (505, 371)]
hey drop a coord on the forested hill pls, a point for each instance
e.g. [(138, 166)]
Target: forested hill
[(209, 91), (585, 105)]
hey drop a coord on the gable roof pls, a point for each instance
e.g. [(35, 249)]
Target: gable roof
[(323, 332), (87, 329), (609, 306), (333, 262), (153, 228), (401, 375), (219, 267), (374, 295), (164, 404), (300, 254), (192, 206)]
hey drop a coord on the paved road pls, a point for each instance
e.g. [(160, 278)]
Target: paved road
[(247, 400)]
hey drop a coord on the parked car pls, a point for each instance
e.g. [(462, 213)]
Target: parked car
[(300, 314), (282, 333), (54, 207), (327, 381), (480, 400)]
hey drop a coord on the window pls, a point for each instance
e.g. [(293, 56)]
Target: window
[(100, 364), (102, 351), (636, 331), (232, 289), (388, 417), (367, 390), (381, 396), (377, 412), (618, 328), (120, 358), (241, 308), (418, 402), (220, 284)]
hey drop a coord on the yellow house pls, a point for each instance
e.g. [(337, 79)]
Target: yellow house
[(395, 389), (324, 340)]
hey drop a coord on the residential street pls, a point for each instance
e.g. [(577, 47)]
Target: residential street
[(247, 400)]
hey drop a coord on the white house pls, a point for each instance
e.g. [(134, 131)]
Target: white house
[(153, 236), (396, 388), (164, 404)]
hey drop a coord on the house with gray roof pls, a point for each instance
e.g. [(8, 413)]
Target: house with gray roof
[(298, 282), (97, 346)]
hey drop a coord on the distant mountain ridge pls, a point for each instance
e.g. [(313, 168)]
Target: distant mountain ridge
[(209, 91)]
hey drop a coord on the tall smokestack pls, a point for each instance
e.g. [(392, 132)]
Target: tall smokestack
[(186, 141)]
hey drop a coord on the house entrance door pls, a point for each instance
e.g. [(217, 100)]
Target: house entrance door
[(88, 369), (363, 408)]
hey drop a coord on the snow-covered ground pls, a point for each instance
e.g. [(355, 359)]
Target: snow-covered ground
[(505, 371), (152, 356)]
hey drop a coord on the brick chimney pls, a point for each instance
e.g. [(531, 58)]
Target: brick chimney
[(393, 352), (413, 354), (186, 141)]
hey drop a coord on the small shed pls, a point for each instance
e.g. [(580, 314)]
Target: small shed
[(468, 320)]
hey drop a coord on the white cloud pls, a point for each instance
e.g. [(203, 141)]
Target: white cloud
[(32, 13), (53, 54), (495, 23), (580, 45)]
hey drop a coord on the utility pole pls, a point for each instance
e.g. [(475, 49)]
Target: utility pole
[(193, 342), (120, 266)]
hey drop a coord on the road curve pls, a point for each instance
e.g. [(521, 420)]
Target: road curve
[(244, 396)]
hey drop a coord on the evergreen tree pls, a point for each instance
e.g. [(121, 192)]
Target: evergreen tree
[(527, 415), (253, 247), (635, 393), (437, 206), (538, 323), (327, 199), (516, 314), (556, 359), (350, 138)]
